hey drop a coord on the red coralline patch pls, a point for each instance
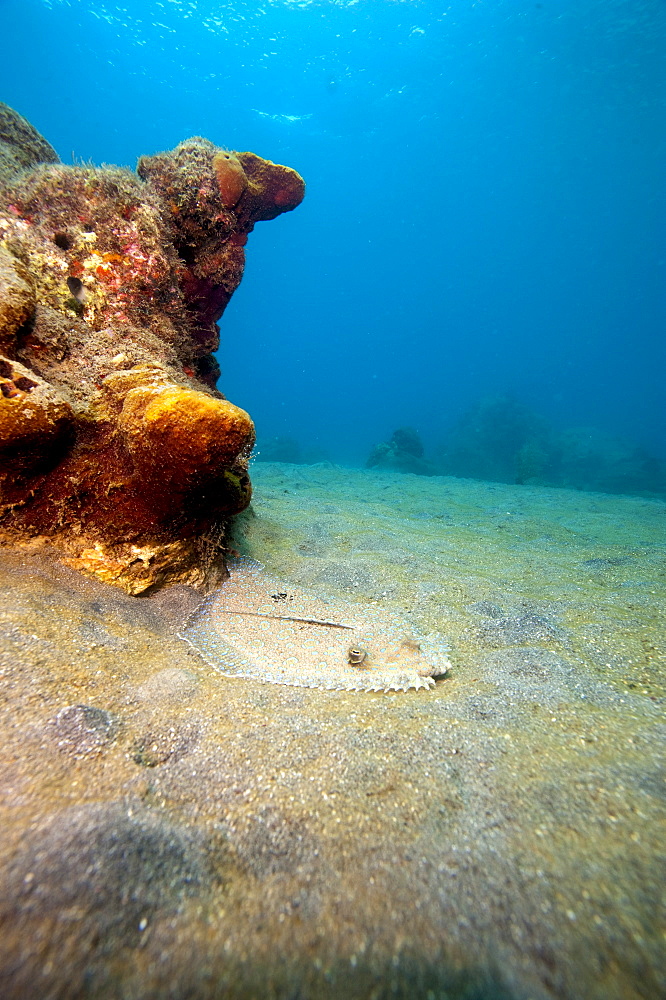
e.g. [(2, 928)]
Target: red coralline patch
[(284, 197), (238, 239), (81, 232)]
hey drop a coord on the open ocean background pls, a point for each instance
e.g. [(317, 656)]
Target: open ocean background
[(484, 217)]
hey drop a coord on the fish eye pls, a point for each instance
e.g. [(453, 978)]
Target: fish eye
[(356, 656)]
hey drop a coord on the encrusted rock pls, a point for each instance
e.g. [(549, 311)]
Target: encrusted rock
[(214, 198), (21, 145), (115, 444), (17, 297), (33, 417)]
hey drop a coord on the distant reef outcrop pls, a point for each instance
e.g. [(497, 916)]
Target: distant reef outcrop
[(116, 446), (403, 452), (500, 439)]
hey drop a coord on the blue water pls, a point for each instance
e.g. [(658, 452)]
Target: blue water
[(485, 209)]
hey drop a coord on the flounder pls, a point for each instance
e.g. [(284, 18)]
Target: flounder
[(255, 626)]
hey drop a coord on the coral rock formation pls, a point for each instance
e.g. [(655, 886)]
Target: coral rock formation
[(402, 453), (21, 145), (116, 445)]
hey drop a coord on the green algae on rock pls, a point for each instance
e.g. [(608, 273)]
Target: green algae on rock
[(111, 287)]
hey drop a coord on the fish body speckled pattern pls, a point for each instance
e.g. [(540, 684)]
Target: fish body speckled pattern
[(258, 627)]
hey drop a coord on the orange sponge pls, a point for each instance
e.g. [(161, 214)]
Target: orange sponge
[(231, 178), (183, 436)]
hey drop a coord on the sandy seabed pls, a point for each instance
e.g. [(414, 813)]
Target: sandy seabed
[(172, 832)]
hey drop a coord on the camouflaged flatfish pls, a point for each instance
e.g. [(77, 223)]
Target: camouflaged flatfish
[(255, 626)]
